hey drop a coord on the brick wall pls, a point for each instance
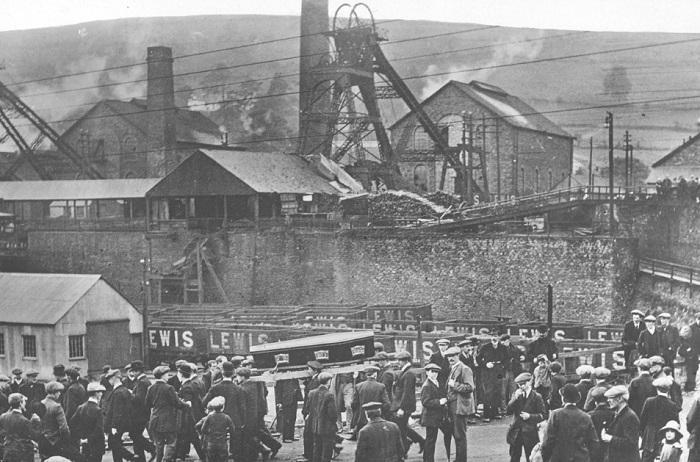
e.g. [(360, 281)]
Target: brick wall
[(462, 276), (525, 154)]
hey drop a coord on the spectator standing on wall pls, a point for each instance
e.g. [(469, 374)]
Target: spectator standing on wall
[(670, 339), (649, 343), (630, 335)]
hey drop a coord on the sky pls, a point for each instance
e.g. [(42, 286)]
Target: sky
[(610, 15)]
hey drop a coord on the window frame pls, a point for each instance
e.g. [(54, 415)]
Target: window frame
[(24, 347), (71, 346)]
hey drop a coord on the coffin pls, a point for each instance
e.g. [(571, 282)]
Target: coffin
[(341, 347)]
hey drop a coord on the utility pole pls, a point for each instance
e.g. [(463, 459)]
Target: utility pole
[(550, 307), (498, 165), (590, 161), (145, 282), (627, 159), (611, 172), (632, 180)]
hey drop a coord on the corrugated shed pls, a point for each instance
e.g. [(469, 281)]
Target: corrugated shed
[(126, 188), (43, 299), (267, 172)]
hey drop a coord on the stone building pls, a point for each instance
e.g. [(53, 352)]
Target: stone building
[(683, 161), (525, 152)]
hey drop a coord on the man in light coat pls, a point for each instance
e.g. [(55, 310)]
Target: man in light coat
[(460, 401)]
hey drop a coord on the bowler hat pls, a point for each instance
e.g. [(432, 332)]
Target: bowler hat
[(228, 366), (637, 312), (137, 365), (185, 369), (542, 328), (59, 370), (17, 371)]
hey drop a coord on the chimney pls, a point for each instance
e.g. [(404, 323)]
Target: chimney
[(160, 104), (313, 44)]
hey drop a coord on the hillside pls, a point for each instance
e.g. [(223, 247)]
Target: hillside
[(204, 79)]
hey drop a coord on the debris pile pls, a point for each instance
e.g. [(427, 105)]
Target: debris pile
[(444, 199), (402, 205)]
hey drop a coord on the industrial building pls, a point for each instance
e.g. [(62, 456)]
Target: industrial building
[(72, 319)]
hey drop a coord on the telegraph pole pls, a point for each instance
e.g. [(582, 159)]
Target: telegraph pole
[(627, 159), (590, 161), (632, 181), (611, 172)]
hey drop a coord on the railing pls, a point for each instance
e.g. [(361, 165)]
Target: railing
[(89, 224), (670, 271)]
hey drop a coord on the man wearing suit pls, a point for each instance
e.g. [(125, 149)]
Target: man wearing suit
[(379, 440), (75, 395), (17, 380), (19, 432), (310, 384), (641, 386), (690, 349), (492, 356), (322, 419), (141, 412), (385, 375), (460, 401), (630, 335), (404, 402), (190, 391), (649, 343), (439, 359), (570, 433), (287, 395), (163, 402), (467, 357), (370, 391), (87, 424), (657, 411), (234, 406), (585, 383), (34, 391), (527, 407), (621, 438), (670, 339), (117, 411), (434, 401)]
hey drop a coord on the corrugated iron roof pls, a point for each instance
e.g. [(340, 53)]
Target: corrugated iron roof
[(125, 188), (31, 298), (267, 172)]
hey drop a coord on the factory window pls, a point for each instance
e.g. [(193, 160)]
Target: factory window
[(421, 140), (2, 344), (29, 346), (76, 346), (420, 178)]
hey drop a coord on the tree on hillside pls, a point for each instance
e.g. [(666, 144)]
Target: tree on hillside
[(639, 170), (616, 83)]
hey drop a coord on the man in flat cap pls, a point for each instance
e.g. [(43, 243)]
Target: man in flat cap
[(601, 415), (322, 419), (439, 358), (370, 391), (141, 412), (621, 438), (34, 391), (585, 383), (56, 434), (460, 401), (20, 431), (163, 402), (630, 335), (386, 373), (641, 386), (310, 383), (543, 344), (189, 392), (656, 412), (492, 356), (434, 401), (603, 379), (469, 351), (234, 405), (17, 380), (86, 423), (670, 339), (117, 415), (379, 440), (649, 343), (527, 407), (570, 432)]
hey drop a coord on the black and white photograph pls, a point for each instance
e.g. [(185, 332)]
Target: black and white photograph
[(372, 231)]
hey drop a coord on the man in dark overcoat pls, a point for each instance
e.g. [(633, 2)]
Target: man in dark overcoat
[(649, 343), (19, 432), (621, 438), (310, 384), (657, 411), (585, 373), (527, 407), (234, 406), (255, 408), (690, 350), (34, 391), (670, 339), (404, 402), (287, 397), (492, 356), (87, 423), (370, 391), (191, 392), (601, 416), (163, 402), (385, 375), (322, 419), (641, 386), (570, 434), (117, 415), (630, 335), (140, 412), (75, 395), (542, 345), (379, 440), (434, 400)]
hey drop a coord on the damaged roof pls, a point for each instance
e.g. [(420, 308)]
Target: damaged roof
[(123, 188), (511, 109)]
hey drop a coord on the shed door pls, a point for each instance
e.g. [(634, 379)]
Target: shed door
[(108, 342)]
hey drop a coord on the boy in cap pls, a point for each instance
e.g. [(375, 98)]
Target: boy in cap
[(656, 412), (56, 434), (641, 386), (670, 339), (214, 428), (621, 438), (17, 380), (86, 424), (434, 401), (528, 410), (19, 432), (370, 391), (630, 335), (379, 440), (585, 383), (649, 343), (570, 432)]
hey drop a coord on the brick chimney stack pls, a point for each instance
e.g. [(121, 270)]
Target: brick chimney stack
[(160, 103)]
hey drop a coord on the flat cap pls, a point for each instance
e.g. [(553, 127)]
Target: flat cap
[(180, 362), (598, 392), (315, 365), (442, 341), (95, 386), (637, 312), (464, 342), (325, 377), (371, 369), (378, 346), (381, 356), (160, 371), (238, 358), (616, 391), (32, 372), (601, 372), (524, 377), (243, 372), (404, 355), (185, 368), (137, 365), (452, 351), (663, 382), (650, 318), (643, 363), (665, 315), (585, 370), (657, 360), (112, 373), (17, 371), (217, 402), (505, 337), (4, 378), (432, 367), (372, 405)]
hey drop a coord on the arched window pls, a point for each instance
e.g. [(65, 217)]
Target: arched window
[(420, 178), (451, 129), (128, 146), (421, 140)]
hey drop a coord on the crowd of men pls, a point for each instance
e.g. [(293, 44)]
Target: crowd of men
[(219, 410)]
